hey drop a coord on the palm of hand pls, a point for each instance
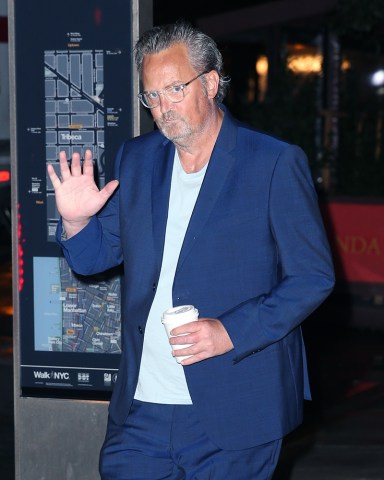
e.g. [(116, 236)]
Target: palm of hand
[(78, 197)]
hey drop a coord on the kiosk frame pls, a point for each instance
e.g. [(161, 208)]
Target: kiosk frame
[(57, 438)]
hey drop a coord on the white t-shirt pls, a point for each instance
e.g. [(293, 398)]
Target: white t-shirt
[(161, 378)]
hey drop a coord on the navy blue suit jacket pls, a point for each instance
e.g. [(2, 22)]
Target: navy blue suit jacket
[(255, 256)]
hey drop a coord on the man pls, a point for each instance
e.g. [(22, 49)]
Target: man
[(214, 214)]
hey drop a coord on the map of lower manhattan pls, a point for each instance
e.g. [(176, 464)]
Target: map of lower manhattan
[(74, 315), (74, 112)]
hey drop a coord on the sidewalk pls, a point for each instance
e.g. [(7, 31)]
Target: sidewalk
[(6, 409), (342, 437)]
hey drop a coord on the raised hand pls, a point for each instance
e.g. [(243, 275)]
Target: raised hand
[(77, 195)]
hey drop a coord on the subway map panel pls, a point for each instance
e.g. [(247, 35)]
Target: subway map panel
[(74, 113), (74, 314)]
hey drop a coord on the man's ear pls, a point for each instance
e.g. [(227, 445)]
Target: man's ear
[(212, 85)]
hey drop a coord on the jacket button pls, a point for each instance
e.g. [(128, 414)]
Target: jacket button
[(154, 286), (140, 328)]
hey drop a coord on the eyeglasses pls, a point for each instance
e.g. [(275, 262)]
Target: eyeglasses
[(174, 93)]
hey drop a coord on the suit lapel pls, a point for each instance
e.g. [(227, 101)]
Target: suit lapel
[(219, 167), (161, 185)]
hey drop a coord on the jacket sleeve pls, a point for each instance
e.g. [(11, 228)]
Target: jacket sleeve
[(305, 263)]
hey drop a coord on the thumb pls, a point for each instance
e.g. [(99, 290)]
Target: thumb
[(109, 188)]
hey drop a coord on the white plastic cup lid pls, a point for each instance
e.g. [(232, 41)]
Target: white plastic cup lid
[(183, 312)]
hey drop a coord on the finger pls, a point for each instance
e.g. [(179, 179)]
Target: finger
[(53, 176), (64, 167), (76, 165), (193, 359), (189, 361), (190, 327), (181, 352), (183, 339), (109, 188), (88, 163)]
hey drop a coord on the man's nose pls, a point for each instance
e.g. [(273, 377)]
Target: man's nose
[(164, 102)]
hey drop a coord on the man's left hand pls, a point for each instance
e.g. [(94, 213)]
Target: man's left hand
[(208, 337)]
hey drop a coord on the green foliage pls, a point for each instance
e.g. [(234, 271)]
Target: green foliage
[(360, 163), (289, 111), (356, 16), (292, 108)]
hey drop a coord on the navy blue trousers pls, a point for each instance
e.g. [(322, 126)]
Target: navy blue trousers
[(167, 442)]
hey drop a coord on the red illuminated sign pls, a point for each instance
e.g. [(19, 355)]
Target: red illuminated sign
[(356, 235)]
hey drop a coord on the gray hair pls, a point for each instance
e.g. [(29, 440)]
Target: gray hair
[(202, 49)]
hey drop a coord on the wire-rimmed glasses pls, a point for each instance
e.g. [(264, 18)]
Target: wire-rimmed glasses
[(174, 93)]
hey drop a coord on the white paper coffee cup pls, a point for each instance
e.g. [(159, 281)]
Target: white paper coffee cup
[(176, 316)]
